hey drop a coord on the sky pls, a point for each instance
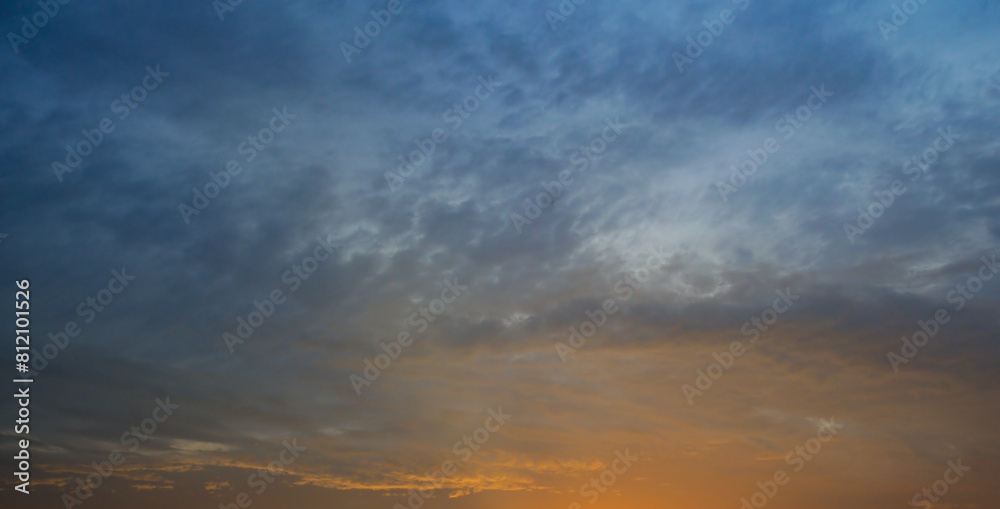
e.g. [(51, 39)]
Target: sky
[(472, 255)]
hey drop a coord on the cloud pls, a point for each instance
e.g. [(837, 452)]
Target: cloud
[(654, 187)]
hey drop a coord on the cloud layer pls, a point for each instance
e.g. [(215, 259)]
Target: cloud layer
[(549, 156)]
